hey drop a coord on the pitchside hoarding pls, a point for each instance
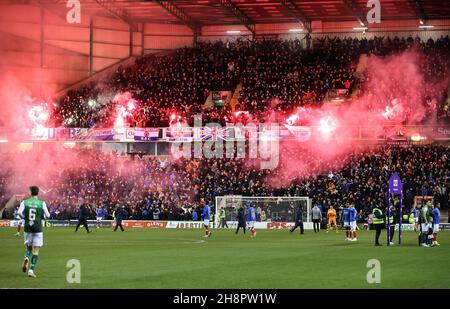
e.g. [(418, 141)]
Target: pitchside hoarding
[(187, 224), (157, 224)]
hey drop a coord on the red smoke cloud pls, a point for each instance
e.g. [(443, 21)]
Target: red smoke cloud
[(393, 95)]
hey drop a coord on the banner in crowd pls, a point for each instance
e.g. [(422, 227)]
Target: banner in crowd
[(146, 134), (129, 134), (39, 134), (442, 132), (178, 134), (214, 133), (102, 134), (399, 135), (78, 133), (301, 133)]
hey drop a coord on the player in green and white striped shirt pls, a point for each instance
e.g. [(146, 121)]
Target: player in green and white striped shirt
[(33, 210)]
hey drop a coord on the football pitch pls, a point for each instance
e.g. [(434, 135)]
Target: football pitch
[(153, 258)]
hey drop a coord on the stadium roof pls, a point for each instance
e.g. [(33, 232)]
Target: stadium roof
[(249, 12)]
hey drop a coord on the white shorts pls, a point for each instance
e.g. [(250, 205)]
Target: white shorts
[(425, 227), (99, 218), (34, 239), (416, 220), (250, 224), (436, 228), (206, 222), (20, 222), (346, 224), (353, 225)]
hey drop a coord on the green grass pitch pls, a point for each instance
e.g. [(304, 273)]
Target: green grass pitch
[(152, 258)]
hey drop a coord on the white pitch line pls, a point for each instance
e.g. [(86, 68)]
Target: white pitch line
[(194, 242)]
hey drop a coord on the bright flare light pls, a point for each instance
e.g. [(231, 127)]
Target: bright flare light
[(119, 124), (417, 138), (125, 105), (395, 111), (38, 116), (327, 126), (387, 113), (292, 119), (92, 103), (131, 105)]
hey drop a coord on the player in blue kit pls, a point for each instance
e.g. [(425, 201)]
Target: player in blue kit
[(352, 222), (414, 218), (347, 222), (436, 214), (251, 219), (206, 214), (100, 216)]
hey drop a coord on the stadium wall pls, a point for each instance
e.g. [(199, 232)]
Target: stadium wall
[(166, 37), (319, 29), (45, 53)]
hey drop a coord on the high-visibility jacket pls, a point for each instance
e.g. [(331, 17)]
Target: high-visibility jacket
[(375, 219), (391, 218)]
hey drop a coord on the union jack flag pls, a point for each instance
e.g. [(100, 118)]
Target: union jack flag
[(214, 133)]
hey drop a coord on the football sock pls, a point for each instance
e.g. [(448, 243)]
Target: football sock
[(34, 259), (27, 254)]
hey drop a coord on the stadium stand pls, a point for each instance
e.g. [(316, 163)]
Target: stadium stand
[(174, 189), (274, 74)]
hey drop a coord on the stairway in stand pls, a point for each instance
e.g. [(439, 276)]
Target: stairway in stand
[(236, 95)]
